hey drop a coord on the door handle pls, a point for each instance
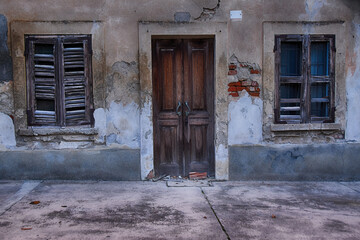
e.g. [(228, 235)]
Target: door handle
[(177, 109), (189, 110)]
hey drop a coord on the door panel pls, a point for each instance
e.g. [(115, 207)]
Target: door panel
[(167, 81), (199, 93), (183, 102), (167, 57)]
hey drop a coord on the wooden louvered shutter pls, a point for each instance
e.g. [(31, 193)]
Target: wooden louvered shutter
[(76, 74), (41, 74)]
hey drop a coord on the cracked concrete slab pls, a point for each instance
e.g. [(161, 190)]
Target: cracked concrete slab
[(152, 210), (189, 183), (111, 210), (13, 191), (287, 210)]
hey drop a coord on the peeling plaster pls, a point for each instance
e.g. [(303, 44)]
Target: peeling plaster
[(123, 83), (122, 125), (7, 132), (353, 97), (6, 97), (100, 124), (221, 163), (208, 13), (245, 120), (147, 154)]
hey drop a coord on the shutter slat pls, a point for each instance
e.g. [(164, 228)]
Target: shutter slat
[(43, 56), (76, 73), (44, 74), (44, 66)]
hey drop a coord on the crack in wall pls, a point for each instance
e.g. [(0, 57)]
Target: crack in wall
[(208, 13)]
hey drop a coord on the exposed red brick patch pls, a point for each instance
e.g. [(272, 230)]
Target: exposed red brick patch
[(234, 94), (243, 82), (241, 88), (234, 84), (254, 94), (254, 71), (232, 89), (232, 67), (232, 72)]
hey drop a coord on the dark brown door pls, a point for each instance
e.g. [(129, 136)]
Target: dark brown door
[(183, 106)]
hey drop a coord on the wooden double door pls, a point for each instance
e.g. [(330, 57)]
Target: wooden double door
[(183, 106)]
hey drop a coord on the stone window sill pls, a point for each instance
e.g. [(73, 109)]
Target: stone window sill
[(306, 127), (47, 131)]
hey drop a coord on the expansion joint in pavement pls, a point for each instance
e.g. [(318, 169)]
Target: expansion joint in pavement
[(25, 189), (349, 187), (213, 210)]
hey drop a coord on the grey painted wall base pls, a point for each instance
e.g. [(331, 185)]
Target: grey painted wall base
[(320, 162), (89, 164)]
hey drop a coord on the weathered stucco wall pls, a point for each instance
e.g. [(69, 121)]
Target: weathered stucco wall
[(244, 69), (353, 85)]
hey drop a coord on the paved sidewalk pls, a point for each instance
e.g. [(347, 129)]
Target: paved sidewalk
[(153, 210)]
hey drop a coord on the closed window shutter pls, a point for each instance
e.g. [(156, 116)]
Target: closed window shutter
[(42, 62), (75, 84), (59, 82)]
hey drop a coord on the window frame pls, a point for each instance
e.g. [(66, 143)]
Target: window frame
[(59, 98), (305, 79)]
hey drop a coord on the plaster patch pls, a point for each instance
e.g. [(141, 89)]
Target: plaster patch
[(100, 124), (221, 163), (123, 125), (245, 120), (147, 155), (353, 97), (7, 132)]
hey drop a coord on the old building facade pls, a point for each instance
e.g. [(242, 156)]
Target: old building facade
[(242, 90)]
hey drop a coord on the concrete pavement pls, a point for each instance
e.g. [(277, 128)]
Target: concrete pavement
[(189, 210)]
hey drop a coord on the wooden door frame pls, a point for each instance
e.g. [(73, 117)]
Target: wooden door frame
[(149, 30)]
